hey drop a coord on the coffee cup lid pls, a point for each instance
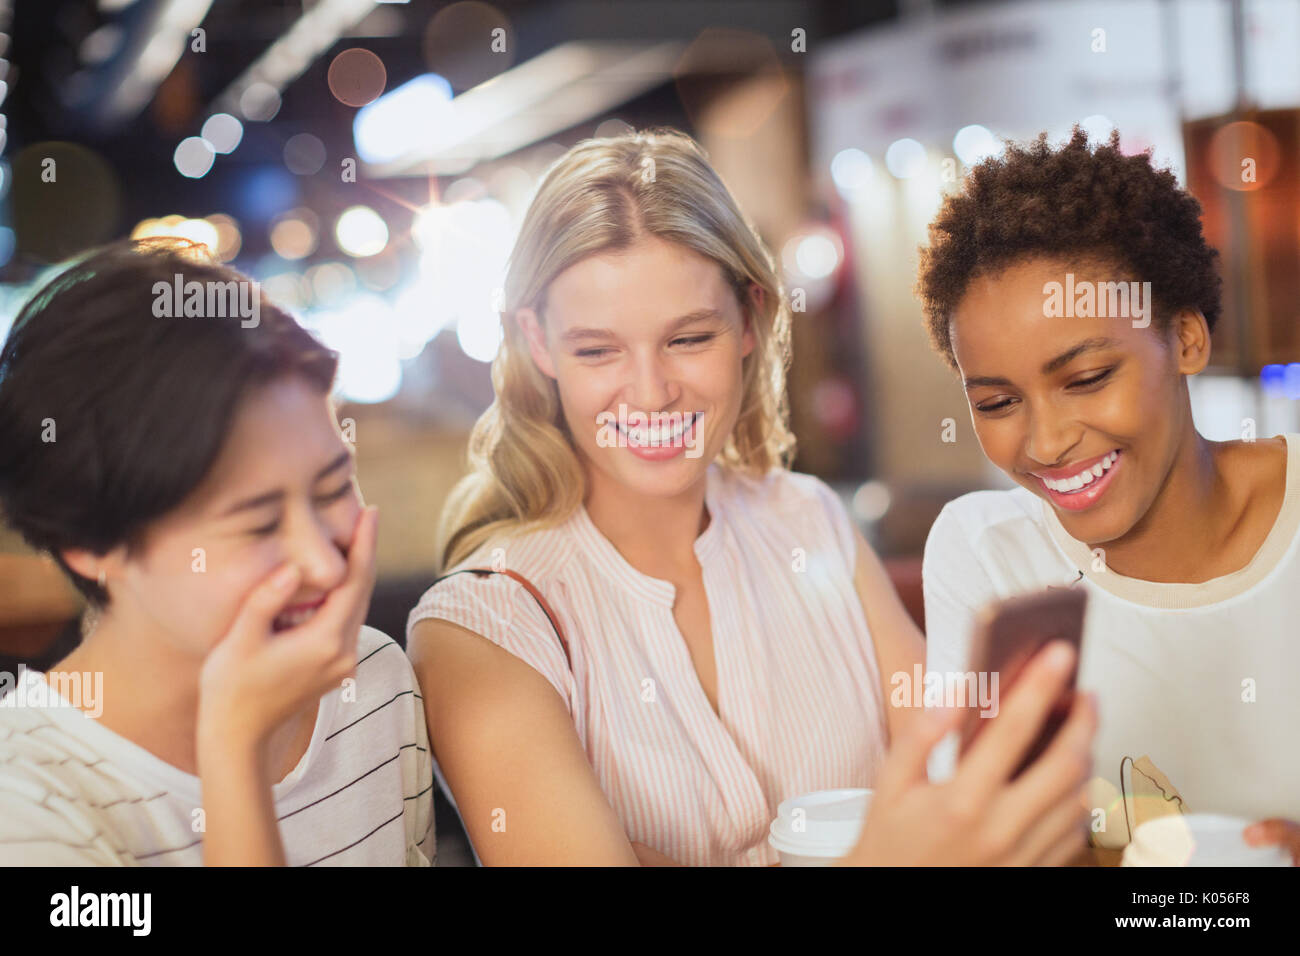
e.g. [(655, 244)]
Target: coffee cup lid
[(1200, 839), (821, 823)]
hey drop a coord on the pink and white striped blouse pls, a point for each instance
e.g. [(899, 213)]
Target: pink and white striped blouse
[(798, 682)]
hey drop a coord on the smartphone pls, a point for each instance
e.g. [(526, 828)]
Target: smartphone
[(1008, 634)]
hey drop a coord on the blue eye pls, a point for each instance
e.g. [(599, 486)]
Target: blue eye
[(590, 353), (693, 339)]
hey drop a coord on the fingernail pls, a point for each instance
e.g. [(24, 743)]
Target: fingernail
[(284, 578), (1059, 655)]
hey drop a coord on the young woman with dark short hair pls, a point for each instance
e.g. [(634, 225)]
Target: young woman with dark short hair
[(227, 705)]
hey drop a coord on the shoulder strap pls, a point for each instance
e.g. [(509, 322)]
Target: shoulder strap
[(537, 596)]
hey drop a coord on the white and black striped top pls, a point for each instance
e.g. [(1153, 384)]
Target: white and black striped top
[(74, 793)]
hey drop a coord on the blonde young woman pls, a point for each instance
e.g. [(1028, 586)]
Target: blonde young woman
[(702, 632)]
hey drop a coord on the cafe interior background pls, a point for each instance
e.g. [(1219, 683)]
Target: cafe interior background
[(839, 127)]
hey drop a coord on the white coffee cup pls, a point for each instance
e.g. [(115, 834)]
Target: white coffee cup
[(1198, 839), (816, 829)]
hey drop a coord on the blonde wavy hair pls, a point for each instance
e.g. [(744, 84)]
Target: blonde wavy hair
[(604, 195)]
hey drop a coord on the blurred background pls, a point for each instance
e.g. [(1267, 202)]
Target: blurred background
[(370, 162)]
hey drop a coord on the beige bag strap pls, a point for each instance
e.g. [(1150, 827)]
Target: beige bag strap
[(537, 596)]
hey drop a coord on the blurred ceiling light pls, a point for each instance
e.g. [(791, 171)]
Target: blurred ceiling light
[(1291, 381), (817, 256), (418, 318), (851, 171), (871, 501), (229, 240), (427, 226), (304, 154), (814, 252), (361, 232), (285, 289), (809, 260), (113, 6), (905, 158), (380, 272), (1097, 127), (567, 85), (464, 249), (223, 132), (974, 144), (197, 230), (331, 282), (136, 77), (101, 45), (259, 102), (1244, 156), (364, 334), (465, 189), (410, 117), (356, 77), (285, 60), (194, 157), (380, 22), (479, 335), (294, 235)]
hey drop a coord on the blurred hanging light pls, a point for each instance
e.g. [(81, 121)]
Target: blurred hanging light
[(304, 154), (331, 282), (229, 240), (193, 157), (413, 117), (871, 501), (295, 234), (197, 230), (905, 158), (817, 255), (223, 132), (259, 102), (361, 232), (851, 171), (974, 144), (364, 335)]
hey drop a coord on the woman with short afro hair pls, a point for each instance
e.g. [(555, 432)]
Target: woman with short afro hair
[(1072, 290)]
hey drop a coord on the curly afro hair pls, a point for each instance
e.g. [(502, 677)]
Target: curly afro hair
[(1095, 205)]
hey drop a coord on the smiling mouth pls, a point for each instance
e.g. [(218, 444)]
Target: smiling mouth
[(647, 436), (1080, 487)]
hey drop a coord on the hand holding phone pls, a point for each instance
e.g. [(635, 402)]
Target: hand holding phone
[(1008, 634)]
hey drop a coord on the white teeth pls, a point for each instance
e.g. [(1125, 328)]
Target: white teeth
[(1083, 478), (655, 435)]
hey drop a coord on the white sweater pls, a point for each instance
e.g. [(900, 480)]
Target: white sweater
[(1199, 679)]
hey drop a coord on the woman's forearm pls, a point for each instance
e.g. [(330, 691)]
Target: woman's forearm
[(240, 828)]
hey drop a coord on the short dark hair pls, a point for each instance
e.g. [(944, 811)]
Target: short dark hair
[(140, 405), (1097, 205)]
